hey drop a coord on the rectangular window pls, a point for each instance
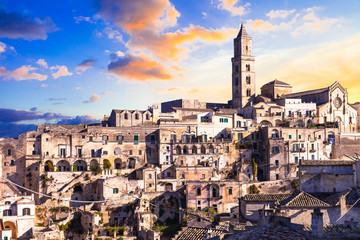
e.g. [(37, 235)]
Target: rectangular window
[(203, 176), (150, 176), (130, 152), (183, 176), (225, 120), (238, 124), (9, 152), (115, 190), (90, 138), (230, 191), (120, 139), (62, 151), (296, 159), (312, 157), (290, 136), (299, 136), (140, 152), (275, 149), (240, 136), (277, 176), (136, 139), (277, 163), (152, 139), (104, 139), (93, 153), (79, 152)]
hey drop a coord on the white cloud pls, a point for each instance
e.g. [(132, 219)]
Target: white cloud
[(42, 63), (113, 34), (279, 13), (204, 15), (44, 85), (2, 47), (85, 19), (60, 71)]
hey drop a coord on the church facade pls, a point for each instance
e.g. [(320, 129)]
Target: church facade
[(277, 105)]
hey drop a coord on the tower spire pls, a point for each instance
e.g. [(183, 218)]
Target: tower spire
[(242, 32)]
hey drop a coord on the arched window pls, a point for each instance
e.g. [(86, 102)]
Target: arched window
[(215, 191), (248, 67), (26, 211), (248, 80), (203, 150), (178, 150), (185, 150), (211, 149), (248, 92), (194, 150)]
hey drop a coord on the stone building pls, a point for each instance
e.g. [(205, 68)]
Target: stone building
[(327, 175), (17, 216), (221, 195), (282, 149)]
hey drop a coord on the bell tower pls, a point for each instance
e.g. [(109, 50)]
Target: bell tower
[(243, 70)]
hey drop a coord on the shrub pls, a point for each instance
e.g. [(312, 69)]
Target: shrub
[(254, 189), (107, 164), (96, 168)]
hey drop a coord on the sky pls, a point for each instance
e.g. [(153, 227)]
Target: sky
[(70, 61)]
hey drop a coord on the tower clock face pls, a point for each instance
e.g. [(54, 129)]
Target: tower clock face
[(337, 102)]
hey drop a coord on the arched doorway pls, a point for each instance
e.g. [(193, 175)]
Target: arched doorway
[(131, 163), (118, 163), (278, 122), (11, 226)]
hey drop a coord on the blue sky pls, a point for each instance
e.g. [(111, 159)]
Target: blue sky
[(75, 61)]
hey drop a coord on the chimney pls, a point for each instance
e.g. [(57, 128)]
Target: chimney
[(343, 207), (317, 223)]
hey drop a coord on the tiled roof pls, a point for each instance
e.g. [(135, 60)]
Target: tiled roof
[(269, 231), (192, 233), (326, 162), (303, 199), (277, 82), (351, 196), (310, 92), (265, 197)]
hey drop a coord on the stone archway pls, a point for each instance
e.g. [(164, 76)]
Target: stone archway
[(118, 163), (265, 123), (80, 165), (49, 166), (11, 226), (63, 166)]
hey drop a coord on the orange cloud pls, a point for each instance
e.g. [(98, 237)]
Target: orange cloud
[(229, 5), (22, 73), (260, 25), (166, 90), (137, 15), (166, 46), (93, 98), (60, 71), (140, 68)]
